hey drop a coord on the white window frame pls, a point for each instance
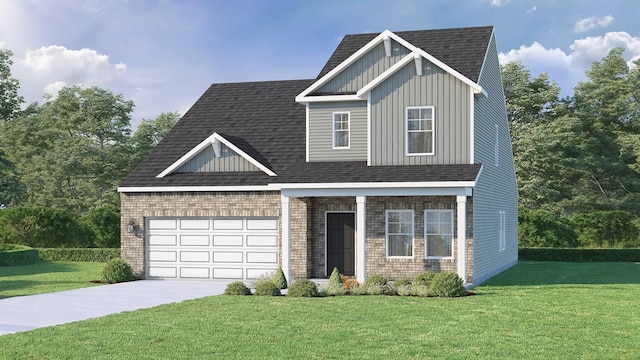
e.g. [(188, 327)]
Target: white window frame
[(386, 231), (426, 233), (502, 239), (406, 129), (334, 130)]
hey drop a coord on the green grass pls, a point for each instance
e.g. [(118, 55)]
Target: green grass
[(537, 310), (46, 277)]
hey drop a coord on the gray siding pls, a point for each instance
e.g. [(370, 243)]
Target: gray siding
[(435, 87), (321, 131), (365, 69), (206, 161), (496, 188)]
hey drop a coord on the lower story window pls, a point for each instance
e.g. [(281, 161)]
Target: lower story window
[(438, 228), (399, 230)]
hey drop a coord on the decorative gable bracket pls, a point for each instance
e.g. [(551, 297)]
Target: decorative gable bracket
[(215, 140)]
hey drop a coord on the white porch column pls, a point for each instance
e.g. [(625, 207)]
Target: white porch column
[(286, 237), (462, 237), (361, 238)]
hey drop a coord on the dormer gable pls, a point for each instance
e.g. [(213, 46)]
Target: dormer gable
[(218, 153)]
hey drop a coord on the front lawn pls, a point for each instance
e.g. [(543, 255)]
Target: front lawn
[(46, 277), (535, 310)]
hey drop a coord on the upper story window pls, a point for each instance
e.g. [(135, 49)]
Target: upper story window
[(341, 130), (419, 130), (502, 243), (497, 147)]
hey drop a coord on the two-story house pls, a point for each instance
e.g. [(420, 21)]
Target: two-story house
[(396, 159)]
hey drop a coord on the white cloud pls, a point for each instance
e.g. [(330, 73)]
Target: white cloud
[(49, 68), (569, 68), (532, 10), (592, 23), (498, 3), (52, 89)]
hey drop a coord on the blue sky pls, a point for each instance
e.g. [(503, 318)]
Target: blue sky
[(163, 54)]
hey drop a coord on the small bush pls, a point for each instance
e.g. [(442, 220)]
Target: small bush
[(405, 289), (237, 288), (420, 290), (424, 278), (402, 282), (116, 270), (303, 288), (358, 290), (348, 282), (335, 286), (279, 279), (375, 280), (447, 284), (266, 287)]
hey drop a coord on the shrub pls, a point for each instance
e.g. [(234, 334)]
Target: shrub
[(375, 280), (420, 290), (266, 287), (103, 224), (606, 229), (279, 279), (348, 282), (541, 228), (116, 270), (404, 289), (237, 288), (335, 286), (424, 278), (579, 255), (402, 282), (78, 254), (447, 284), (303, 288), (41, 227), (12, 255)]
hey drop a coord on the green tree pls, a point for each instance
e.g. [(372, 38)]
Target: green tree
[(150, 132), (10, 101), (72, 152)]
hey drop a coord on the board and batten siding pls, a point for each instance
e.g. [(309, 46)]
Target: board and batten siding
[(435, 87), (364, 70), (496, 189), (321, 131), (206, 161)]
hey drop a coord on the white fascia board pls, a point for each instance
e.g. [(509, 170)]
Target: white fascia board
[(385, 75), (143, 189), (310, 99), (211, 140), (343, 65), (381, 185), (375, 191), (188, 156)]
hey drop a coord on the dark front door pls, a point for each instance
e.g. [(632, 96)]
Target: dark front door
[(341, 236)]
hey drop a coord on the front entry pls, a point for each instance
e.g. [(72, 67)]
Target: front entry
[(341, 243)]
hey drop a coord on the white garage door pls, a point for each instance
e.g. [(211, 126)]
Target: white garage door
[(211, 248)]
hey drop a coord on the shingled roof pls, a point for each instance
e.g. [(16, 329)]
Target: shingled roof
[(263, 119), (463, 49)]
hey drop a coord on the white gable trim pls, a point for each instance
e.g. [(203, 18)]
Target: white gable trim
[(214, 140), (415, 52)]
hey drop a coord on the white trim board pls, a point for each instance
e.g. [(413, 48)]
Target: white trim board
[(213, 140)]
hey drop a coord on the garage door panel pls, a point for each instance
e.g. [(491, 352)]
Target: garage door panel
[(227, 240), (262, 240), (194, 256), (228, 256), (163, 224), (194, 240), (163, 272), (228, 224), (194, 272), (262, 224), (227, 273), (163, 240), (211, 248), (168, 256), (196, 224), (262, 257)]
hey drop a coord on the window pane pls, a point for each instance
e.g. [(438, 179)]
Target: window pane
[(400, 245), (413, 114), (425, 113), (417, 142), (439, 233), (439, 245)]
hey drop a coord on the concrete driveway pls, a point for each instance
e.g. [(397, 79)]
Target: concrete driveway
[(23, 313)]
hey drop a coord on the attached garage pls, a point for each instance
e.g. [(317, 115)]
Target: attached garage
[(211, 248)]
